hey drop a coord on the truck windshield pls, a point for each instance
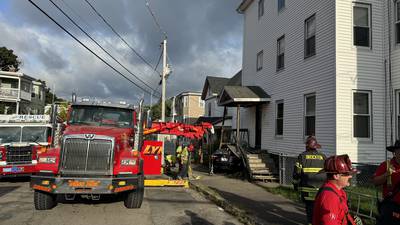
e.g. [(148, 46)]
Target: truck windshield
[(34, 134), (101, 116), (10, 134)]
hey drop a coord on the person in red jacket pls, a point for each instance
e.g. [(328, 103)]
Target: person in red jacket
[(330, 206)]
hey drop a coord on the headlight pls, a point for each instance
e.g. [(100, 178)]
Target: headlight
[(47, 160), (128, 162)]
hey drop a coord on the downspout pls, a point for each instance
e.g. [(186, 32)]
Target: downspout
[(390, 77)]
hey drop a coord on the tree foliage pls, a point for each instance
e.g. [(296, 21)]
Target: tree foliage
[(156, 110), (8, 60)]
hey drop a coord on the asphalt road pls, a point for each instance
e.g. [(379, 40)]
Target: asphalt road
[(161, 206)]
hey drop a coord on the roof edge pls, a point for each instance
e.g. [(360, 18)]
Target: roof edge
[(243, 6)]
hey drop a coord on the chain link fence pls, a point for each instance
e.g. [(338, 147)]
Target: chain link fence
[(362, 194)]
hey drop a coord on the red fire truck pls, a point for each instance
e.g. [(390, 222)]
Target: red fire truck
[(99, 155), (22, 138)]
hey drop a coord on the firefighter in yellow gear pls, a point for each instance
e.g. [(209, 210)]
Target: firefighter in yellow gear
[(306, 176), (184, 161)]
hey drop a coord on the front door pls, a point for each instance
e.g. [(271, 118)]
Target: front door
[(258, 127)]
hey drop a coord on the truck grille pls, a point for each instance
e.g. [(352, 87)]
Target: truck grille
[(87, 156), (19, 155)]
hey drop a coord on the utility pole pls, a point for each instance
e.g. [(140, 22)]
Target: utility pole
[(163, 80)]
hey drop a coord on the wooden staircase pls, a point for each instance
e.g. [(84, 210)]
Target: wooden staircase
[(262, 168)]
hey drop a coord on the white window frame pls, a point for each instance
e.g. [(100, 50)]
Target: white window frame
[(397, 21), (260, 58), (306, 38), (368, 7), (281, 5), (185, 101), (260, 8), (369, 114), (279, 42), (279, 118), (306, 97), (201, 103)]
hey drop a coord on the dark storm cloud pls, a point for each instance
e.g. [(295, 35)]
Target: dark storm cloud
[(204, 38)]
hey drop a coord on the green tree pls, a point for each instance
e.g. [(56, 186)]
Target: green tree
[(156, 110), (8, 60)]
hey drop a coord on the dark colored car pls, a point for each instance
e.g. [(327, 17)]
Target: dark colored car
[(224, 160)]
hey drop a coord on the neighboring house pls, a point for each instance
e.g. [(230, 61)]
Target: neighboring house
[(211, 90), (21, 94), (188, 107), (331, 68)]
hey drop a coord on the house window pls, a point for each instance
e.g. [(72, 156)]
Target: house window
[(309, 42), (201, 103), (279, 118), (260, 8), (398, 114), (281, 5), (280, 58), (209, 109), (260, 60), (362, 25), (362, 114), (309, 115), (398, 22), (185, 101)]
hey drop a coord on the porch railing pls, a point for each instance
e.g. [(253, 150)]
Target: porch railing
[(11, 93)]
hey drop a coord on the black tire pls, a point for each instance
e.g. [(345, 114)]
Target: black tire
[(44, 201), (134, 199)]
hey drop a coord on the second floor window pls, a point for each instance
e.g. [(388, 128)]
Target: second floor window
[(310, 30), (260, 60), (281, 5), (260, 8), (279, 118), (201, 103), (362, 25), (280, 58), (397, 22), (361, 114)]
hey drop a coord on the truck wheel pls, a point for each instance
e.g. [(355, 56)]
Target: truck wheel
[(44, 201), (134, 198)]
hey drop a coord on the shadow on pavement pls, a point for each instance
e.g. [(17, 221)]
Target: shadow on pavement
[(195, 219), (6, 190), (104, 199), (18, 179), (264, 209)]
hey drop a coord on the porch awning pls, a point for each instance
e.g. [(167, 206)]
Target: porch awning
[(243, 95)]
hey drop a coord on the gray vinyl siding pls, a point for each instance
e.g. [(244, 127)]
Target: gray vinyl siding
[(299, 77), (360, 68), (395, 59)]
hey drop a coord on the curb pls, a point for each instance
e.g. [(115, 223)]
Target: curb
[(240, 214)]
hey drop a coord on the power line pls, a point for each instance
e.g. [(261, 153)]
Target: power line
[(91, 27), (80, 28), (155, 19), (116, 33), (76, 39)]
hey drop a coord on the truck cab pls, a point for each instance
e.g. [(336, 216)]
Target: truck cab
[(97, 156), (22, 139)]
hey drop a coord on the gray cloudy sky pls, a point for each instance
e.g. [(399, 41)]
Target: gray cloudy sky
[(204, 38)]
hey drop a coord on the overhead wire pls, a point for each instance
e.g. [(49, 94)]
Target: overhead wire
[(155, 19), (116, 33), (87, 48), (91, 27), (88, 35)]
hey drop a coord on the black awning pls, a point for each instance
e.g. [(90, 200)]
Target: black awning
[(243, 95)]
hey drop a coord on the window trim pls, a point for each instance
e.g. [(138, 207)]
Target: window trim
[(306, 38), (282, 7), (260, 55), (305, 114), (278, 54), (397, 105), (261, 8), (276, 117), (201, 102), (397, 22), (369, 7), (369, 92)]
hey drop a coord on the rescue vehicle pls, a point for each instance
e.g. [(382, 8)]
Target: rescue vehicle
[(22, 139)]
